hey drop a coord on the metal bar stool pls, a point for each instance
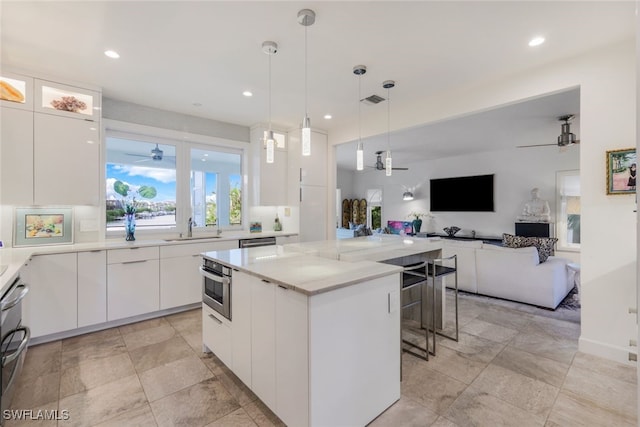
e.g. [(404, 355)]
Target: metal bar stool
[(415, 277), (437, 269)]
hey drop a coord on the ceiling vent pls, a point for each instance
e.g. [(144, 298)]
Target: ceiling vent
[(372, 100)]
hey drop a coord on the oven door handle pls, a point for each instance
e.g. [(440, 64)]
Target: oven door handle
[(8, 304), (220, 279), (23, 345)]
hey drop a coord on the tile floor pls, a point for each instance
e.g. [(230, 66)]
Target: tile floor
[(513, 365)]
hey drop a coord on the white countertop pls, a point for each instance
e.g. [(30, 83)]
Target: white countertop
[(15, 258), (322, 266)]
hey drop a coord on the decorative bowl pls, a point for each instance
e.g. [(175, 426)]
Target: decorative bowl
[(451, 231)]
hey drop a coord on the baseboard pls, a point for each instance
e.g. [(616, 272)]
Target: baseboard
[(607, 351)]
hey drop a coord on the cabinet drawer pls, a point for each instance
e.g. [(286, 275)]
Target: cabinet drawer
[(216, 334), (116, 256), (173, 251)]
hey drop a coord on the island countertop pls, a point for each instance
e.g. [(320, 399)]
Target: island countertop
[(322, 266)]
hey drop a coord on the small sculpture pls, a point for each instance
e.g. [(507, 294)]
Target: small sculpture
[(536, 209), (451, 231)]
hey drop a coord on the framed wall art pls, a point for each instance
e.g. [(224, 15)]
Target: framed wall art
[(621, 171), (43, 226)]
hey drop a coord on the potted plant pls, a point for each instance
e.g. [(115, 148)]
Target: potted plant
[(130, 204), (417, 220)]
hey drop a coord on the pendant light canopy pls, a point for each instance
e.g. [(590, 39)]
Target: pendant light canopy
[(270, 48), (388, 166), (306, 18), (359, 70)]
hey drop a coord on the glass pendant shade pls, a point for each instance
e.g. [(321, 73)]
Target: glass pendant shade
[(360, 157), (387, 164), (407, 195), (306, 137), (270, 146)]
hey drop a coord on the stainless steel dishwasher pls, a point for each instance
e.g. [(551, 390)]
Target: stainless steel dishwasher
[(258, 241)]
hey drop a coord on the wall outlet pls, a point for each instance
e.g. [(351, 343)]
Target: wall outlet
[(287, 211)]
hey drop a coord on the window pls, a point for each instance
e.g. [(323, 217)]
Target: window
[(568, 205), (374, 209), (216, 187), (141, 175)]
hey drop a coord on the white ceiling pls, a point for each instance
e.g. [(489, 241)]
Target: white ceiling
[(175, 54)]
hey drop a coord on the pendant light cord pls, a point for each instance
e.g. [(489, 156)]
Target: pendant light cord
[(388, 120), (306, 89), (359, 108), (270, 55)]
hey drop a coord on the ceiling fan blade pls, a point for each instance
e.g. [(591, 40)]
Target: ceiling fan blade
[(141, 160), (400, 169), (537, 145), (138, 155)]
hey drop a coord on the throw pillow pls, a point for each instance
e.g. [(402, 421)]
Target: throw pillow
[(545, 247), (511, 241)]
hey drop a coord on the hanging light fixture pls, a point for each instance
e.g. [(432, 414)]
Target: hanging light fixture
[(270, 48), (306, 17), (407, 195), (388, 84), (359, 70)]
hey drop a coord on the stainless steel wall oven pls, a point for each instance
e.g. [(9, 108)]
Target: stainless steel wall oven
[(216, 286), (15, 337)]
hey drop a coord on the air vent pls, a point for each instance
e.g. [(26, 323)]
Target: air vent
[(373, 99)]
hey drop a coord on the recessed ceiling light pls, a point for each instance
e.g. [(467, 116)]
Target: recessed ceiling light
[(247, 93), (327, 116), (197, 104), (112, 54), (536, 41), (206, 155)]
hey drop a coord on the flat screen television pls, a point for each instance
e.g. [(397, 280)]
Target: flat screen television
[(462, 194)]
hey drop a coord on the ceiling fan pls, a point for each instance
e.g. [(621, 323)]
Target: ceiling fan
[(156, 155), (380, 164), (565, 139)]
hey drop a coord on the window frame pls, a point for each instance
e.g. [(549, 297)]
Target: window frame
[(183, 142)]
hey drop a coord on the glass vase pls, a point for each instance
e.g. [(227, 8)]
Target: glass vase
[(417, 224), (130, 226)]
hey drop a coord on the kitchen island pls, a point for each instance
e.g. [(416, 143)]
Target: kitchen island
[(314, 328)]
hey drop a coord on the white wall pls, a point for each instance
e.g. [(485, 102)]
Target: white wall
[(607, 81), (516, 172)]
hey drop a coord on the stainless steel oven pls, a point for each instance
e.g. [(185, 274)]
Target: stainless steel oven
[(15, 337), (216, 286)]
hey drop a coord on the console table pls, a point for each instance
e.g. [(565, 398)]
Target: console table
[(491, 240)]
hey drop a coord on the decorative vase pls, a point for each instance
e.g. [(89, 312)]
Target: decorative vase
[(130, 226), (417, 224)]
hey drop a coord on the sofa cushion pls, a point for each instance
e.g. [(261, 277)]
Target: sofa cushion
[(543, 244)]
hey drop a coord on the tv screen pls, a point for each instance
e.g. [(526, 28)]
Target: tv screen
[(462, 194)]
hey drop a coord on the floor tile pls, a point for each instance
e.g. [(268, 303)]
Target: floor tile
[(406, 413), (540, 368), (33, 392), (473, 347), (140, 416), (609, 393), (506, 317), (163, 380), (42, 359), (262, 415), (148, 336), (557, 329), (85, 340), (606, 367), (194, 339), (238, 418), (490, 331), (104, 402), (141, 326), (455, 365), (94, 372), (477, 408), (236, 387), (571, 410), (187, 321), (443, 422), (153, 355), (22, 421), (533, 396), (197, 405), (92, 346), (560, 349)]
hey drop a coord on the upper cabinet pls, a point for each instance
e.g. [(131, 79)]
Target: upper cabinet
[(308, 170), (66, 101), (16, 91), (268, 180)]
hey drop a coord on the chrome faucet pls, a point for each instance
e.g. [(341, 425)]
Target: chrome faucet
[(190, 228)]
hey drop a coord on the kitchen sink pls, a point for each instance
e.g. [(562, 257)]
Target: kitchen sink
[(183, 239)]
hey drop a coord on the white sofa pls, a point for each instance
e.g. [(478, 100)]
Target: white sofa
[(510, 273)]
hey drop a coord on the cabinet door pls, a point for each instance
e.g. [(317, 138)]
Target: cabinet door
[(292, 357), (241, 326), (16, 149), (263, 337), (51, 305), (216, 334), (180, 281), (313, 222), (273, 180), (92, 288), (132, 288), (308, 170), (65, 160)]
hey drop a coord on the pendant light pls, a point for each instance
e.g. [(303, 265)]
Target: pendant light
[(306, 17), (270, 48), (359, 70), (407, 195), (388, 84)]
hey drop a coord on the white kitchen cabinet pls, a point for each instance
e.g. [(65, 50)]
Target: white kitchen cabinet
[(283, 240), (66, 101), (241, 326), (313, 222), (308, 170), (65, 157), (268, 180), (21, 87), (133, 282), (263, 340), (216, 334), (51, 305), (16, 149), (292, 356), (92, 288)]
